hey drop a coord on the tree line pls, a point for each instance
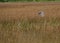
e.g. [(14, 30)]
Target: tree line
[(23, 0)]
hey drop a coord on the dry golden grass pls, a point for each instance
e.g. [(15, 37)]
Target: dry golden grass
[(20, 23)]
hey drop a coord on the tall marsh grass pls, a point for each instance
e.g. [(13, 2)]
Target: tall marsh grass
[(31, 30)]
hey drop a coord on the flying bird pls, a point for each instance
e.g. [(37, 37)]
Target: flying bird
[(41, 13)]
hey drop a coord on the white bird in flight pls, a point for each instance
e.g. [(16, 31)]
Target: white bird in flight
[(41, 13)]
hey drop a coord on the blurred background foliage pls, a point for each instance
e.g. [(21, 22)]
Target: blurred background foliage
[(26, 0)]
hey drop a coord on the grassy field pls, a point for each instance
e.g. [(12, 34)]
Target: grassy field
[(21, 23)]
